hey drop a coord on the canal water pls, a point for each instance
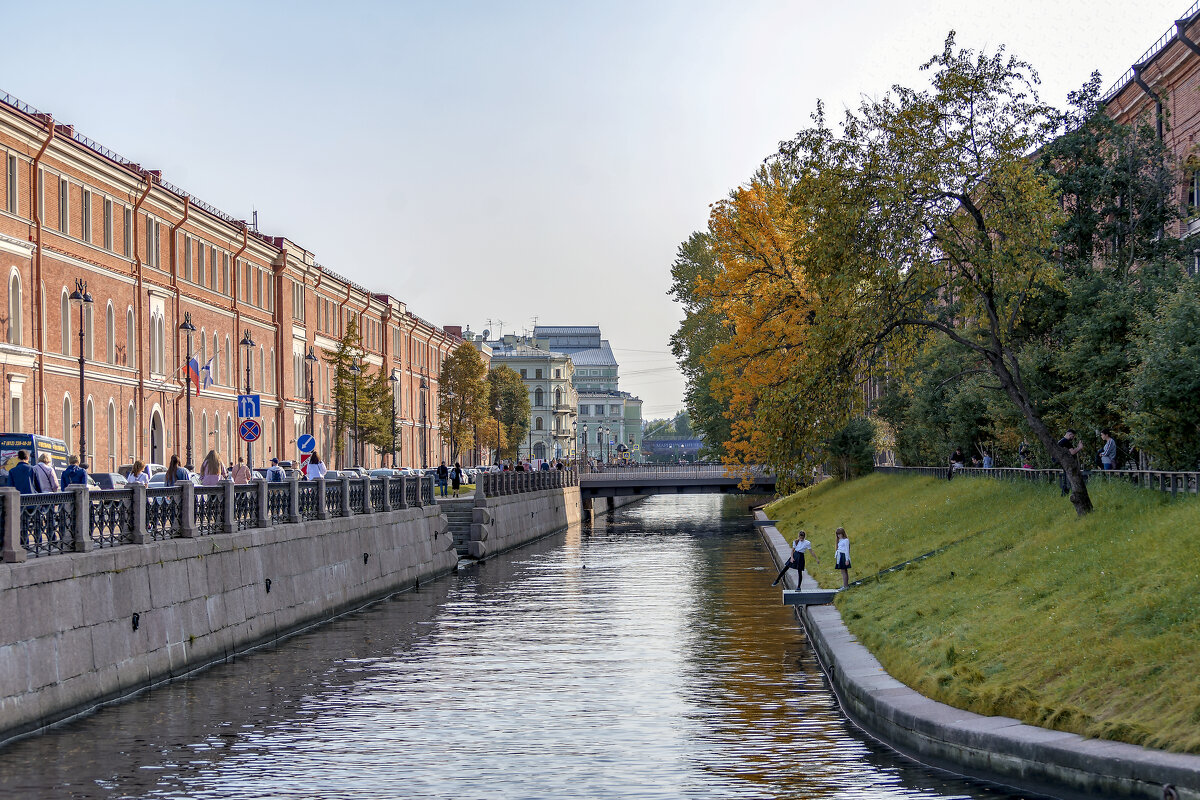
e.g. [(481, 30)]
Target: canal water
[(645, 656)]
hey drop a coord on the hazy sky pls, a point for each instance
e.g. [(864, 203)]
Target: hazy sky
[(508, 161)]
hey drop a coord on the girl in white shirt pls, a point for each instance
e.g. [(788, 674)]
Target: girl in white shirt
[(796, 562), (842, 558)]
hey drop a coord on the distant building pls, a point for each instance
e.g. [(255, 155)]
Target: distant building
[(553, 401)]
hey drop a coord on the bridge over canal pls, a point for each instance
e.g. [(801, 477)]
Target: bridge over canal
[(651, 479)]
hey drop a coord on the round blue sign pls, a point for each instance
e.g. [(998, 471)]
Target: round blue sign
[(250, 430), (306, 443)]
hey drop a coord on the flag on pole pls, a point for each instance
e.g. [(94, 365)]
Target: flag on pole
[(194, 373), (206, 374)]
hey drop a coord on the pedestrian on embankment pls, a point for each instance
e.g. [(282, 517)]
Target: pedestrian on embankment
[(443, 474), (212, 471), (796, 562), (842, 557), (456, 478)]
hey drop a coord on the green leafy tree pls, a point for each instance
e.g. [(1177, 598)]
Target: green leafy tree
[(463, 392), (852, 449), (346, 383), (376, 423), (507, 390)]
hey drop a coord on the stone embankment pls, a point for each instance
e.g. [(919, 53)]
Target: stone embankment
[(997, 749)]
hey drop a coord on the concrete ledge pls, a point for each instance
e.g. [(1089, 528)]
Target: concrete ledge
[(508, 521), (996, 749)]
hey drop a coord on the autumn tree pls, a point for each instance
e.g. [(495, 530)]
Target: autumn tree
[(347, 384), (462, 398), (507, 391)]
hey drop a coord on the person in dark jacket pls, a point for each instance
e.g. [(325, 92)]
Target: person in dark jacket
[(20, 477), (73, 473), (443, 475), (456, 478)]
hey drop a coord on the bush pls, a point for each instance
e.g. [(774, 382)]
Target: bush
[(852, 449)]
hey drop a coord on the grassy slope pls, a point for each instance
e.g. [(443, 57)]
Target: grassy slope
[(1087, 625)]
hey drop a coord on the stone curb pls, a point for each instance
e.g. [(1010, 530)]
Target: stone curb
[(997, 749)]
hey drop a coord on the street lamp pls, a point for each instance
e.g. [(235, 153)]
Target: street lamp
[(188, 329), (497, 431), (311, 363), (395, 381), (248, 343), (424, 443), (82, 300), (574, 440), (355, 371), (585, 445)]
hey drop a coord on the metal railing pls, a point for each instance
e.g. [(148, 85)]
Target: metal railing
[(1167, 481), (1154, 49), (39, 525)]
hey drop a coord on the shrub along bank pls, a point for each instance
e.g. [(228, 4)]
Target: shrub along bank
[(1089, 625)]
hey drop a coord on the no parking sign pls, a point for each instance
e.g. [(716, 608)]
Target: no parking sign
[(249, 430)]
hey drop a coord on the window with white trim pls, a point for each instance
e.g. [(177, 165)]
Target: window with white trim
[(86, 209), (64, 220), (108, 224), (10, 193)]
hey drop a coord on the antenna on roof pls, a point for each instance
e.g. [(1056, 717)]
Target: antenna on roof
[(254, 224)]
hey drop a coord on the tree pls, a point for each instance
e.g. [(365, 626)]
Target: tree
[(375, 403), (507, 390), (346, 383), (852, 449), (463, 392)]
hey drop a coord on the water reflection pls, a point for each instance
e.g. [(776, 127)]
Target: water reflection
[(645, 656)]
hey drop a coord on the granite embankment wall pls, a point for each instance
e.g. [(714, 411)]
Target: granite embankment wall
[(999, 749), (83, 628), (506, 521)]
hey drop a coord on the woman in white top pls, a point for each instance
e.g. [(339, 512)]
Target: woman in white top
[(44, 479), (139, 474), (842, 558), (796, 562), (314, 469)]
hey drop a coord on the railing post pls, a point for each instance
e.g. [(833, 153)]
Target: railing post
[(83, 519), (229, 523), (14, 551), (403, 491), (322, 508), (187, 510), (387, 493), (346, 509), (137, 513), (264, 514), (294, 499)]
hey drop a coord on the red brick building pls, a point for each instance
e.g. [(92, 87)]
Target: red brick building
[(1163, 89), (150, 253)]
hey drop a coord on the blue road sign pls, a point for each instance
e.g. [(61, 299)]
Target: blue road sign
[(248, 406), (250, 430), (306, 444)]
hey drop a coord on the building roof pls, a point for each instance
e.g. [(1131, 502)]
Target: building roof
[(569, 338), (601, 356)]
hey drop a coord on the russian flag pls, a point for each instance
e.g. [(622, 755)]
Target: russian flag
[(194, 373)]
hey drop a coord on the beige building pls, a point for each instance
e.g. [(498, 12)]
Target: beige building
[(549, 377)]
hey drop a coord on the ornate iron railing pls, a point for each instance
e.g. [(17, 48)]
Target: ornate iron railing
[(308, 500), (396, 492), (426, 490), (333, 497), (279, 502), (112, 517), (163, 512), (47, 523), (377, 503), (210, 510), (1160, 480), (245, 506), (412, 490), (358, 495)]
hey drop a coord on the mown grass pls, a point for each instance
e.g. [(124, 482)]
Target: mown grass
[(1087, 625)]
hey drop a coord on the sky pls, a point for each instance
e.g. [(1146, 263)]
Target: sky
[(498, 165)]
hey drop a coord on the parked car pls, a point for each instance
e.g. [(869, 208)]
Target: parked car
[(155, 469), (159, 480), (386, 473), (109, 480)]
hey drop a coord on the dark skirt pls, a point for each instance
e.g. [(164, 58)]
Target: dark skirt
[(843, 562)]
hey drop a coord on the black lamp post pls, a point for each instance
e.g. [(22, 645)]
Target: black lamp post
[(497, 431), (424, 442), (248, 343), (355, 371), (395, 382), (585, 444), (187, 328), (83, 300), (311, 361), (574, 454)]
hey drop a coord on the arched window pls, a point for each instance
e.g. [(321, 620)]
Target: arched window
[(537, 423), (110, 336), (262, 372), (191, 444), (216, 356), (131, 426), (66, 420), (203, 348), (271, 371), (90, 425), (130, 345), (273, 442), (228, 439), (558, 397), (112, 435), (216, 433), (65, 318), (537, 397), (226, 371), (89, 350), (14, 308)]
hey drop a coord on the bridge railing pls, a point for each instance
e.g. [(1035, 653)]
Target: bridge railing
[(641, 472), (79, 520), (498, 484), (1171, 482)]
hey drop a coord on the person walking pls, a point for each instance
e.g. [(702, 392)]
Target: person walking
[(314, 469), (842, 557), (275, 473), (1108, 453), (44, 479), (240, 472), (74, 474), (139, 474), (212, 471), (456, 478), (175, 472), (20, 477), (443, 475), (796, 562)]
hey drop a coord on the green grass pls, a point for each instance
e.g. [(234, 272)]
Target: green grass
[(1087, 625)]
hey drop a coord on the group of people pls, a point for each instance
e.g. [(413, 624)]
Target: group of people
[(40, 478), (841, 557), (452, 475), (1106, 458)]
